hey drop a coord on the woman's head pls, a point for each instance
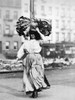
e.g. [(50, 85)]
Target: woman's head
[(35, 35), (32, 36)]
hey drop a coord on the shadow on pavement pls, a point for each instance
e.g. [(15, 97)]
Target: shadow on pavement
[(19, 93), (12, 91)]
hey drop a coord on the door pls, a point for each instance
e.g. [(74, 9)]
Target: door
[(0, 46)]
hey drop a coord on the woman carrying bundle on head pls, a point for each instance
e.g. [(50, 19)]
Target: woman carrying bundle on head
[(34, 78)]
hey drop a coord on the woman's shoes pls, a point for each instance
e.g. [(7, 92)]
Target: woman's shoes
[(39, 90), (34, 94), (48, 87), (29, 92)]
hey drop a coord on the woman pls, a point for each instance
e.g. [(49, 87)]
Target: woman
[(33, 64), (33, 77)]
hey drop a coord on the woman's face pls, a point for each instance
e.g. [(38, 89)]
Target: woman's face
[(32, 36)]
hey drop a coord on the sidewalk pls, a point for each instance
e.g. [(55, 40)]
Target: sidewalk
[(10, 89)]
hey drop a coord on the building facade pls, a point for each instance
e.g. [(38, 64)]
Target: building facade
[(9, 13), (61, 14)]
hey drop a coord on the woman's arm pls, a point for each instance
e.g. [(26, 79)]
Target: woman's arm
[(20, 53), (45, 38), (26, 31)]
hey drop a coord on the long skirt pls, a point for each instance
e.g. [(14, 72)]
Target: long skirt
[(34, 73)]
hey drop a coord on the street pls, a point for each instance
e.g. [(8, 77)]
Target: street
[(62, 77), (62, 86)]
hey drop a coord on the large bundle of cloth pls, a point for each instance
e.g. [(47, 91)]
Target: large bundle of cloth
[(44, 27), (23, 23)]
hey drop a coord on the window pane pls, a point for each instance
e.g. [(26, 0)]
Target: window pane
[(0, 13), (7, 29), (15, 14), (57, 23), (63, 24), (57, 36), (63, 36), (43, 10), (50, 10), (0, 29), (7, 14), (26, 7), (16, 45), (69, 36), (57, 11), (7, 44), (63, 12)]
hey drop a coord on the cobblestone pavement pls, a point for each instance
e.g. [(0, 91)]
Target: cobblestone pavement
[(11, 89)]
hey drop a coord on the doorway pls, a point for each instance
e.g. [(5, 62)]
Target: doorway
[(0, 46)]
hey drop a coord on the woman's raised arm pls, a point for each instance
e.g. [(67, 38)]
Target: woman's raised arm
[(45, 38)]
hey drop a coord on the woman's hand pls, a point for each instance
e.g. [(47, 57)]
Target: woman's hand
[(42, 36), (45, 38)]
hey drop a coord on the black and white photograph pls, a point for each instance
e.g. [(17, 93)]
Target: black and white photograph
[(37, 49)]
